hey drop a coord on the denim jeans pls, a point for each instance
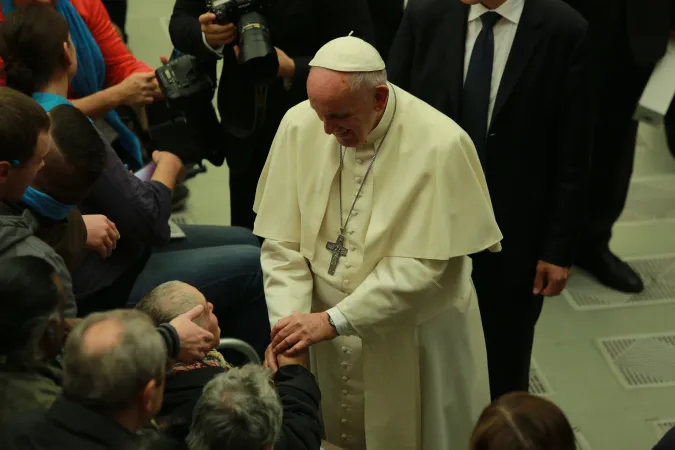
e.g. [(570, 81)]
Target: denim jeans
[(224, 264)]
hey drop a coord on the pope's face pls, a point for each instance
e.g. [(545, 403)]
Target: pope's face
[(348, 115)]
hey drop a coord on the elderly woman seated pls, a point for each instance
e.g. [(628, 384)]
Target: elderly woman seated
[(239, 407)]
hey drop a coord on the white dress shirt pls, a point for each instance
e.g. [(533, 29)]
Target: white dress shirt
[(504, 32)]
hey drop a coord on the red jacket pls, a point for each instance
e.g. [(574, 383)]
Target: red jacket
[(119, 63)]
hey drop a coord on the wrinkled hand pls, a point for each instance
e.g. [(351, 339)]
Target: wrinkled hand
[(286, 64), (217, 35), (102, 234), (550, 279), (271, 359), (195, 341), (297, 332), (139, 89)]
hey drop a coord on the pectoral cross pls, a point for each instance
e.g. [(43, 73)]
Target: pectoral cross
[(338, 250)]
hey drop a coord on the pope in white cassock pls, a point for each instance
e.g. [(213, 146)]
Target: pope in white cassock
[(369, 203)]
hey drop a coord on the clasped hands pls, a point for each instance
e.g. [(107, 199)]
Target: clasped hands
[(294, 335)]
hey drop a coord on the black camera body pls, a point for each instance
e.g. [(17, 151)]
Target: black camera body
[(186, 124), (257, 55), (181, 82)]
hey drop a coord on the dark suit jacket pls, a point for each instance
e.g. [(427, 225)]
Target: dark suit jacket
[(298, 27), (645, 23), (386, 16), (667, 442), (538, 144), (66, 425)]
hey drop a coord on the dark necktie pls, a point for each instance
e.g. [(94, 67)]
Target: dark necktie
[(476, 93)]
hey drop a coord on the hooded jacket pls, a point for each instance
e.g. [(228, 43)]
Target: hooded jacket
[(17, 229)]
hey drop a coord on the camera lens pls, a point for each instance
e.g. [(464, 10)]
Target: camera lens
[(258, 56)]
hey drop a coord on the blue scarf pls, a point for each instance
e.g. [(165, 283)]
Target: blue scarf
[(50, 101), (90, 77), (45, 205)]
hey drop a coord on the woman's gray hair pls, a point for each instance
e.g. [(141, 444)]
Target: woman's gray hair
[(367, 80), (238, 409), (168, 301), (111, 378)]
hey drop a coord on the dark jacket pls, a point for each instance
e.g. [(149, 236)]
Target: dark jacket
[(140, 210), (68, 237), (538, 146), (65, 425), (667, 442), (17, 238), (386, 16), (298, 27), (27, 388), (645, 23), (298, 391)]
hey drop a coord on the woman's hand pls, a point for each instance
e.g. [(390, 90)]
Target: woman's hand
[(138, 89), (102, 234)]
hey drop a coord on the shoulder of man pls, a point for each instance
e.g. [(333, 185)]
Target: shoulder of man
[(561, 17)]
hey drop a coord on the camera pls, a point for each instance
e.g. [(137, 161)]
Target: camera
[(257, 54), (186, 124)]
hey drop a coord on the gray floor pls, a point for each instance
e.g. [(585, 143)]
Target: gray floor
[(608, 360)]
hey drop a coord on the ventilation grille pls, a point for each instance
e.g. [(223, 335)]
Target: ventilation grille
[(539, 385), (650, 199), (661, 427), (583, 293), (641, 361)]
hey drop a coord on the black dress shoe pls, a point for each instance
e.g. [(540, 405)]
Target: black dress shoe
[(611, 271)]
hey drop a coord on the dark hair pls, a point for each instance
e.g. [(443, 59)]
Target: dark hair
[(520, 421), (28, 298), (31, 45), (77, 159), (22, 120)]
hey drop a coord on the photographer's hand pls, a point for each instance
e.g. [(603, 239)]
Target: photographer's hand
[(217, 35), (286, 64)]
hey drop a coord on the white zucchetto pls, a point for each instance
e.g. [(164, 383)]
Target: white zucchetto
[(348, 54)]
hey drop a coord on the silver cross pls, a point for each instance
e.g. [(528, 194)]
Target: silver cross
[(338, 250)]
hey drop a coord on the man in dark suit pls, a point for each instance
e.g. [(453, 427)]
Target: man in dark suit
[(628, 38), (513, 74), (298, 29)]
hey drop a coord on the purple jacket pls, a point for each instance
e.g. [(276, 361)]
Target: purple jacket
[(139, 209)]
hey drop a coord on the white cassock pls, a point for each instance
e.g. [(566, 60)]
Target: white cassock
[(413, 374)]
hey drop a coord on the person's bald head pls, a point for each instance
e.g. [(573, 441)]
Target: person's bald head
[(115, 361), (173, 298)]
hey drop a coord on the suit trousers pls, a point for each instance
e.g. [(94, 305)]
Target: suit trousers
[(619, 82), (509, 312)]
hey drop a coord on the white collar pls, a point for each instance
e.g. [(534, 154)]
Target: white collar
[(511, 10), (381, 128)]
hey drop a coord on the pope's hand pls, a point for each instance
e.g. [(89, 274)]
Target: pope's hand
[(550, 280), (298, 332)]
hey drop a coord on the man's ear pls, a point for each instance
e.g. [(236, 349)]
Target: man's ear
[(149, 394), (4, 171), (67, 56), (381, 96)]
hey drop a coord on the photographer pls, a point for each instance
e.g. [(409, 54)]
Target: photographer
[(298, 28)]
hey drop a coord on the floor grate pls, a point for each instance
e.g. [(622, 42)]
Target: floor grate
[(650, 199), (661, 427), (539, 385), (583, 293), (641, 361)]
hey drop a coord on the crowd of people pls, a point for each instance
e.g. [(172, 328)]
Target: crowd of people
[(396, 225)]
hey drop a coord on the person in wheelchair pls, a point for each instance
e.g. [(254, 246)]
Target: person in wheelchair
[(195, 395)]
